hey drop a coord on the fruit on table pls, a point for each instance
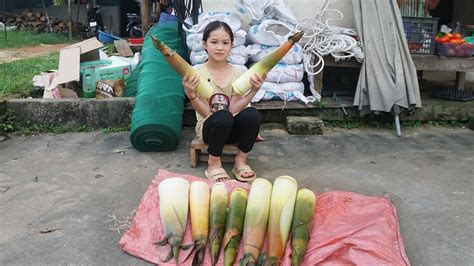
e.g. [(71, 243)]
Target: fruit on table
[(453, 44)]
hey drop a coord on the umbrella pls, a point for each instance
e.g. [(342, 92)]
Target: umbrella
[(388, 81)]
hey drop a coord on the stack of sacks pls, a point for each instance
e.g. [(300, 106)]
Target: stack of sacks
[(284, 81), (238, 55)]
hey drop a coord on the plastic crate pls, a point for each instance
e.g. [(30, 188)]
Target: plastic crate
[(453, 94), (420, 34)]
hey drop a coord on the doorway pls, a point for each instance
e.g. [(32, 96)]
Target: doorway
[(127, 6)]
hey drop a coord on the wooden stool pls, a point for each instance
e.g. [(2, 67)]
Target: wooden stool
[(199, 153)]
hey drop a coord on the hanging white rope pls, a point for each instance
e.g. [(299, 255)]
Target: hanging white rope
[(321, 39)]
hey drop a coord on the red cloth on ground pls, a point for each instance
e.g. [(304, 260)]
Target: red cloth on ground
[(348, 229)]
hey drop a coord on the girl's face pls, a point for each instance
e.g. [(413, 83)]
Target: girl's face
[(218, 45)]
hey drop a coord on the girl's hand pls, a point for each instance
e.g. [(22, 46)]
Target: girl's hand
[(257, 81), (190, 84)]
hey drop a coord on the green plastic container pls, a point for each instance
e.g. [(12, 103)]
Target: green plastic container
[(471, 41)]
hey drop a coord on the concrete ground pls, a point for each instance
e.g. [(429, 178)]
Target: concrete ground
[(72, 184)]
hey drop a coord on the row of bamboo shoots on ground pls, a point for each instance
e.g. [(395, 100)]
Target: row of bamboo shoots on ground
[(271, 211)]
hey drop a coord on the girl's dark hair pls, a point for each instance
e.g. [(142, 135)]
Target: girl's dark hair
[(214, 26)]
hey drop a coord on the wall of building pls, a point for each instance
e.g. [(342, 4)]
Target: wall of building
[(464, 11), (301, 9)]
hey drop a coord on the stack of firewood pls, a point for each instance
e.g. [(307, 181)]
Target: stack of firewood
[(34, 21)]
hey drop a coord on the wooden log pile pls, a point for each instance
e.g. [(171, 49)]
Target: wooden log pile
[(34, 21)]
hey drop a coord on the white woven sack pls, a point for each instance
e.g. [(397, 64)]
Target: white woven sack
[(194, 40), (290, 91), (238, 56), (258, 10), (282, 87), (269, 32), (232, 19), (258, 51), (282, 73)]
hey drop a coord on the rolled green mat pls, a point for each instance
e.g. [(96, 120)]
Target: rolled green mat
[(157, 118), (154, 137), (132, 83)]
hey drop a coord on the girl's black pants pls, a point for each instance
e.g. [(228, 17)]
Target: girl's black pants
[(222, 128)]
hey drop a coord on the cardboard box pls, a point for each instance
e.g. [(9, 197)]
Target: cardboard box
[(47, 80), (103, 70), (71, 57), (80, 62), (110, 88)]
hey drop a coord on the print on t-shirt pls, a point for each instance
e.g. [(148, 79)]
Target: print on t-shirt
[(219, 102)]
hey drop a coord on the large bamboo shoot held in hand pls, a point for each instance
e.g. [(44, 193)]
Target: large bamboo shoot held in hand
[(242, 84), (173, 193), (203, 89)]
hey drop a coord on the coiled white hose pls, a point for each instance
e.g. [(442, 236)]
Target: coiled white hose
[(321, 39)]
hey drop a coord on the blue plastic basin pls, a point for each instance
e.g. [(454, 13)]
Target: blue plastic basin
[(106, 38)]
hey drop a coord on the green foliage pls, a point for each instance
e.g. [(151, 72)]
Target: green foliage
[(110, 48), (320, 104), (8, 125), (109, 130), (16, 39), (28, 128), (449, 123), (17, 76), (343, 124), (413, 124), (349, 124)]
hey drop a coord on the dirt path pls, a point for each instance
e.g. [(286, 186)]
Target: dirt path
[(13, 54)]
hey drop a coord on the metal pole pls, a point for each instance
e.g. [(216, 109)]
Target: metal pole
[(70, 19), (50, 29), (397, 126)]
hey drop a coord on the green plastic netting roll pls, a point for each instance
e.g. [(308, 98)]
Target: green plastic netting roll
[(132, 83), (159, 104)]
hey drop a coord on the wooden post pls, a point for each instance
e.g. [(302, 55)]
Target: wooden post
[(145, 12), (460, 80), (318, 83)]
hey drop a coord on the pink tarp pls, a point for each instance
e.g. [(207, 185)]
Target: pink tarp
[(348, 229)]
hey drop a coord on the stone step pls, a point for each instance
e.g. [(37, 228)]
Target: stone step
[(117, 112)]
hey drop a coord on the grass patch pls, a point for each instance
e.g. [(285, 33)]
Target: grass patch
[(320, 104), (17, 76), (10, 125), (391, 125), (110, 130), (28, 128), (16, 39)]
